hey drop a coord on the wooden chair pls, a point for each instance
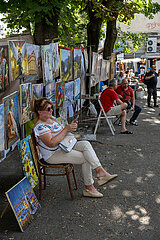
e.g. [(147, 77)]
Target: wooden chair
[(42, 166)]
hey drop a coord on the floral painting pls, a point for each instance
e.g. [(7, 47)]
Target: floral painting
[(24, 203), (77, 62), (66, 65), (25, 102), (27, 161), (60, 90)]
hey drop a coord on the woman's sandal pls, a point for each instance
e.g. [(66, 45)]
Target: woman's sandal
[(102, 180)]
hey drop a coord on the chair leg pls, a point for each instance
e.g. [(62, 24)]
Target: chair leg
[(75, 181), (69, 182), (98, 121)]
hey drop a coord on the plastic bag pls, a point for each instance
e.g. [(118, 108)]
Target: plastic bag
[(92, 110)]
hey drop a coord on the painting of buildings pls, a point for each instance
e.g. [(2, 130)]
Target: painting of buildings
[(77, 89), (11, 119), (1, 127), (27, 161), (25, 100), (77, 63), (55, 59), (50, 91), (60, 90), (37, 90), (66, 65), (4, 71), (24, 203), (46, 64)]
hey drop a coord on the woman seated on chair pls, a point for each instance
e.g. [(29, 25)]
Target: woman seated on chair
[(50, 132)]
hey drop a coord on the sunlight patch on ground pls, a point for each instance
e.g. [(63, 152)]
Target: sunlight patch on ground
[(158, 199), (152, 120), (139, 180), (112, 186), (150, 174), (126, 193), (117, 212)]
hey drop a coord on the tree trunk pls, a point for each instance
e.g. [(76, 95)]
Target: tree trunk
[(111, 35)]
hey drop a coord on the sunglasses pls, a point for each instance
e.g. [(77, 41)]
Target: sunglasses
[(49, 108)]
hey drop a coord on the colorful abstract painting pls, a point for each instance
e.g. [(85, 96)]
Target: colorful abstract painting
[(77, 62), (50, 91), (27, 161), (37, 90), (55, 59), (46, 64), (66, 65), (11, 119), (4, 71), (60, 90), (77, 89), (1, 127), (94, 69), (25, 102), (18, 59), (24, 203)]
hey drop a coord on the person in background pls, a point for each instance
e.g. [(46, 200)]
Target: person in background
[(49, 133), (120, 77), (151, 79), (108, 97), (125, 93)]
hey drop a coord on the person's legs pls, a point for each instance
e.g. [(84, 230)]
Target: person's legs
[(123, 121), (150, 90), (155, 97), (137, 111)]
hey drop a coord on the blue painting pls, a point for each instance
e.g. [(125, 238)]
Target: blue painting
[(11, 119), (24, 202), (50, 91), (1, 127), (77, 89), (37, 90), (46, 64), (69, 87), (66, 65), (77, 63)]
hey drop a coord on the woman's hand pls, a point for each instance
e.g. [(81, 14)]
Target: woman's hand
[(72, 127)]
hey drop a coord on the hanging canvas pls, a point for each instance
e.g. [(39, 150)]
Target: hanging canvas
[(23, 202), (11, 119), (69, 88), (60, 90), (37, 90), (77, 89), (4, 71), (94, 69), (99, 64), (77, 63), (46, 64), (18, 58), (25, 102), (27, 161), (1, 127), (85, 55), (103, 70), (50, 91), (63, 116), (65, 65), (107, 69), (55, 60), (83, 76)]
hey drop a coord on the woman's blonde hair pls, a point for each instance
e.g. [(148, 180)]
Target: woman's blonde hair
[(39, 105)]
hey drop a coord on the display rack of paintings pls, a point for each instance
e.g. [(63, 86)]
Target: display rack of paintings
[(66, 65), (4, 71), (27, 161), (59, 92), (1, 127), (11, 119), (46, 64), (23, 202), (55, 59), (37, 90), (18, 58), (77, 62), (94, 69), (25, 102), (50, 91), (77, 89)]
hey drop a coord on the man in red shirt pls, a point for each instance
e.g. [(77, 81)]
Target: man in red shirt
[(108, 98), (126, 94)]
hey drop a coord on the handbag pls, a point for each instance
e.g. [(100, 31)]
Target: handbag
[(68, 142), (128, 102)]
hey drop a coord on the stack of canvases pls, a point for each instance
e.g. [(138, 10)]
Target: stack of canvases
[(63, 71)]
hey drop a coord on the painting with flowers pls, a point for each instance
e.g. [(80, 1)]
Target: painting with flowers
[(27, 161)]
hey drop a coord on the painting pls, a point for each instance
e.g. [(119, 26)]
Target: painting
[(103, 70), (77, 89), (25, 102), (4, 71), (23, 202), (77, 62), (94, 69), (83, 76), (55, 59), (29, 125), (27, 161), (66, 65), (2, 155), (69, 88), (107, 69), (11, 119), (99, 64), (50, 91), (63, 116), (46, 64), (85, 56), (1, 127), (37, 90), (18, 59), (60, 90)]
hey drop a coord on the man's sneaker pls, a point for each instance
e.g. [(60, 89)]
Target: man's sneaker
[(134, 123), (156, 106)]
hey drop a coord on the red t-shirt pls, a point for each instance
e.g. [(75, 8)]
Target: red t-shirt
[(107, 98), (128, 92)]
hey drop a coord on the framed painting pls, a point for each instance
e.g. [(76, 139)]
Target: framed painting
[(60, 90), (85, 55), (107, 70), (77, 89), (28, 161), (25, 102), (37, 90), (103, 70), (55, 59), (23, 202), (99, 64), (11, 119), (50, 91), (66, 65), (77, 62), (46, 64), (18, 59), (94, 69), (1, 127), (4, 70), (69, 88), (83, 76)]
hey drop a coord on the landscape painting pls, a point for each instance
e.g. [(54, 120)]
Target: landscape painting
[(23, 202), (11, 119), (55, 59), (46, 64), (37, 90), (1, 127), (66, 65), (25, 102), (77, 89), (4, 64), (60, 91), (77, 63), (50, 91)]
